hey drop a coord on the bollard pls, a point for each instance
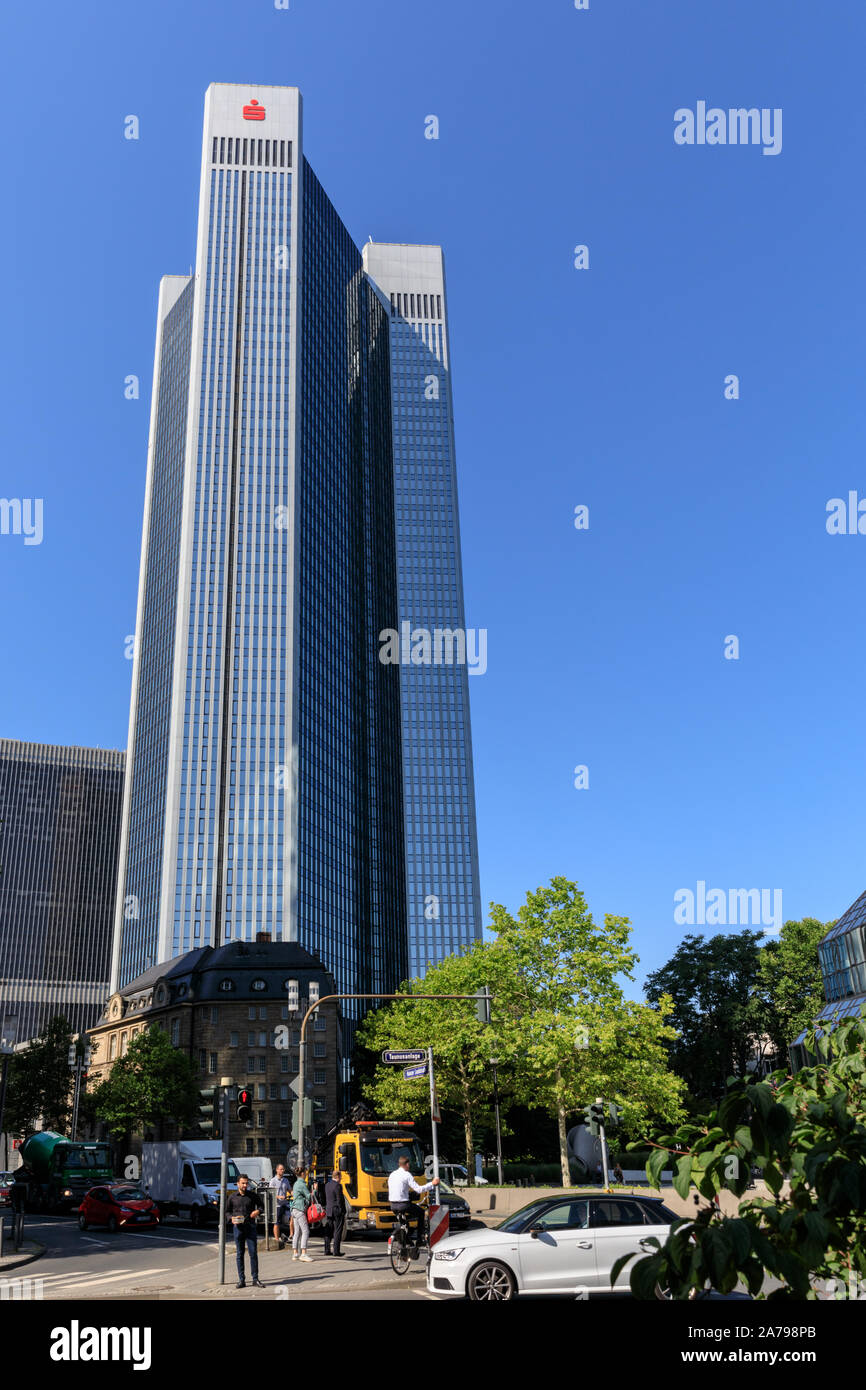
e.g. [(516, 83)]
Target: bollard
[(2, 1229), (19, 1229)]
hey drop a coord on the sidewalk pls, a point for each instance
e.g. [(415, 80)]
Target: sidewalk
[(364, 1265), (12, 1258)]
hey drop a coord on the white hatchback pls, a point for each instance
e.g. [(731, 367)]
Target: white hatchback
[(566, 1244)]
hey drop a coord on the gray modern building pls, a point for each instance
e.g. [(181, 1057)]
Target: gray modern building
[(266, 787), (442, 883), (59, 835)]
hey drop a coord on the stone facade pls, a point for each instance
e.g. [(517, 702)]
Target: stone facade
[(228, 1009)]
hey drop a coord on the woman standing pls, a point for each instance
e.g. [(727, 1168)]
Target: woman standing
[(300, 1202)]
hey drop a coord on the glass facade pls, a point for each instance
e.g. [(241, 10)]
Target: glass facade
[(59, 831), (443, 900), (259, 705), (153, 696), (350, 859)]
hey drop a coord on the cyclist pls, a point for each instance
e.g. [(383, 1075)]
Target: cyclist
[(400, 1182)]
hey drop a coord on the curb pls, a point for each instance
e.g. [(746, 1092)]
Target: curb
[(25, 1259)]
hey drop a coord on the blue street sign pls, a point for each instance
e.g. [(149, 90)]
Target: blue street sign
[(401, 1059), (410, 1073)]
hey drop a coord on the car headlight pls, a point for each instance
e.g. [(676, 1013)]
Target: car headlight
[(448, 1254)]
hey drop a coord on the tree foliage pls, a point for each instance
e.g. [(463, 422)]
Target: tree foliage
[(789, 981), (711, 982), (153, 1082), (462, 1046), (40, 1081), (561, 1029), (578, 1035), (808, 1134)]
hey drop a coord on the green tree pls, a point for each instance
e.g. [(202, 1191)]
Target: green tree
[(462, 1046), (40, 1081), (153, 1082), (712, 985), (568, 1020), (808, 1129), (789, 982)]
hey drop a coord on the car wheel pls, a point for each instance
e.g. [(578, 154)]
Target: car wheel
[(111, 1225), (195, 1216), (82, 1221), (490, 1282)]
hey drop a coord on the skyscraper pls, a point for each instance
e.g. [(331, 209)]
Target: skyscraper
[(266, 786), (59, 832), (264, 795), (442, 888)]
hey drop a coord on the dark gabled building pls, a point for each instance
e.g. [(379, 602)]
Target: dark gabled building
[(228, 1009)]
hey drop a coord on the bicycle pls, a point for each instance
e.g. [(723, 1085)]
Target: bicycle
[(401, 1246)]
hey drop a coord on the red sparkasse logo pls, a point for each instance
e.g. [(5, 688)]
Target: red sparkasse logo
[(254, 112)]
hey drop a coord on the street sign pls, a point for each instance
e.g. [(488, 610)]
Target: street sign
[(438, 1224), (410, 1073), (435, 1112), (402, 1059)]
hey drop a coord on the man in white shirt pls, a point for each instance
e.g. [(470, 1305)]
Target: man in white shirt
[(400, 1183)]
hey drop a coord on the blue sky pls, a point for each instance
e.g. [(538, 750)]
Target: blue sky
[(603, 387)]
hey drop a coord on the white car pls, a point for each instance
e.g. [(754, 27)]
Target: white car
[(556, 1245)]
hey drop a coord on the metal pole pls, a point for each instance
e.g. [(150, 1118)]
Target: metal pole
[(76, 1098), (599, 1101), (433, 1124), (326, 999), (3, 1080), (498, 1128), (224, 1170)]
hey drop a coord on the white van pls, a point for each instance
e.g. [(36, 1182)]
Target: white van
[(258, 1170)]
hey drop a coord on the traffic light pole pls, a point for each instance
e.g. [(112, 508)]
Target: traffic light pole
[(224, 1172), (326, 999), (599, 1101)]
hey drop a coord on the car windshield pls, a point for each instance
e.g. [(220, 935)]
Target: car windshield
[(519, 1219), (128, 1194), (208, 1174), (382, 1156), (75, 1156)]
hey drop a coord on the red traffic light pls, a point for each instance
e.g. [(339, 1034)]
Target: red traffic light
[(244, 1113)]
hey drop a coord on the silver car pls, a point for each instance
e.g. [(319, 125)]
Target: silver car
[(566, 1244)]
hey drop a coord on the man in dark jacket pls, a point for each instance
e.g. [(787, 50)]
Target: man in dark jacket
[(242, 1208), (335, 1213)]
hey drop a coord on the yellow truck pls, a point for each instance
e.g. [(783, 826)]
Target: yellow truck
[(365, 1152)]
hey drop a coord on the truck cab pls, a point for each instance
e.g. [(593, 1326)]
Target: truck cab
[(365, 1153)]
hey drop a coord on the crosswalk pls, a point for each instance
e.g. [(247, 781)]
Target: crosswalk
[(61, 1285)]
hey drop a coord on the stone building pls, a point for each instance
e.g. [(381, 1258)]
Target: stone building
[(229, 1008)]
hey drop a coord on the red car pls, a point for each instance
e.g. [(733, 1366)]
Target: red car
[(6, 1181), (117, 1204)]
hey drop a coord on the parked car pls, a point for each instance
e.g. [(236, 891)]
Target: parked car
[(117, 1204), (458, 1208), (6, 1181), (560, 1244)]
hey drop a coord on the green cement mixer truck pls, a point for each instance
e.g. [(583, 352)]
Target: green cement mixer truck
[(58, 1172)]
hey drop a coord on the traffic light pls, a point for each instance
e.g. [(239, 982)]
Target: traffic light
[(482, 1006), (207, 1110), (308, 1116), (593, 1117), (613, 1113), (245, 1103)]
